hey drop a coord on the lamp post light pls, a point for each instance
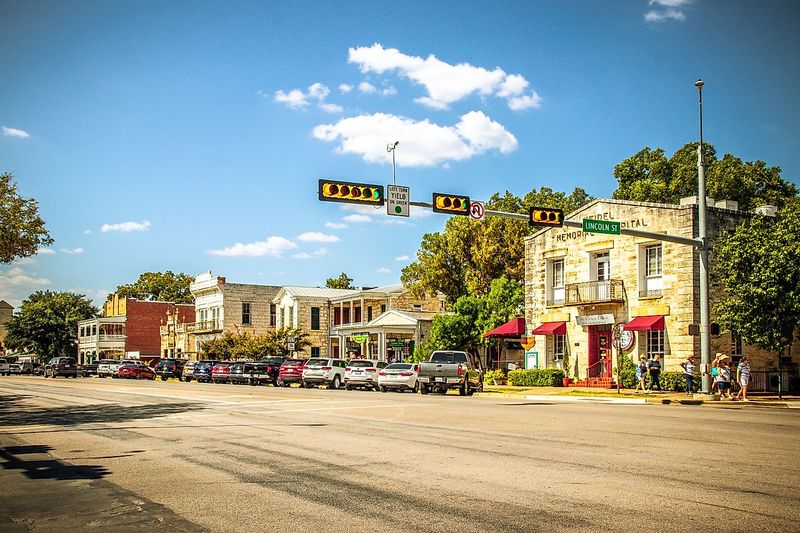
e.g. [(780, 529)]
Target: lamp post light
[(390, 148), (705, 336)]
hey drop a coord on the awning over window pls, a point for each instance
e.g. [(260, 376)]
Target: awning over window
[(551, 328), (645, 323), (513, 328)]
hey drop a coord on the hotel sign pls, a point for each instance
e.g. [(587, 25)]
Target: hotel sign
[(594, 320)]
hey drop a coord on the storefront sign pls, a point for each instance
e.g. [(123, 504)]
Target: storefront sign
[(594, 320), (397, 343), (531, 359), (359, 337)]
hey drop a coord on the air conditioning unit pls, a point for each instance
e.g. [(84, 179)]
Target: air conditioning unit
[(731, 205), (767, 210), (692, 200)]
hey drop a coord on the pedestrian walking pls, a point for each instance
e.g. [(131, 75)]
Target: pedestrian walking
[(688, 373), (743, 377), (724, 377), (655, 371), (715, 371), (641, 375)]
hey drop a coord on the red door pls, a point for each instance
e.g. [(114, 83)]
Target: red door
[(599, 353)]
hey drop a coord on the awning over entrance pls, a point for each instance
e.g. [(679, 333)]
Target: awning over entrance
[(645, 323), (513, 328), (551, 328)]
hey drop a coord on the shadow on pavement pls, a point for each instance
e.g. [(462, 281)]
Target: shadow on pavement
[(14, 413), (48, 468)]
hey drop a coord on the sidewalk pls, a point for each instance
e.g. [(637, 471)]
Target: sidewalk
[(790, 401)]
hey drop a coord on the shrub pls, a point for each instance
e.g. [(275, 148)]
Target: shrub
[(492, 376), (674, 381), (627, 372), (536, 377)]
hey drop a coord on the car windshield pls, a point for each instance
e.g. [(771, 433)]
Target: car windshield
[(272, 360), (317, 362), (399, 366), (448, 357), (293, 362), (361, 364)]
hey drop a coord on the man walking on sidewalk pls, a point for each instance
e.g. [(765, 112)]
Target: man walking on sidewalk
[(688, 373)]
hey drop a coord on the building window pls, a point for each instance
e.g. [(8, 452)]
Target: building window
[(315, 351), (556, 282), (417, 308), (655, 343), (653, 283), (290, 309), (369, 314), (602, 267), (246, 314), (272, 313), (315, 318), (383, 308), (559, 349)]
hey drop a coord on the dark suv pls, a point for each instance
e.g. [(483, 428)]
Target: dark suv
[(202, 370), (61, 366), (170, 368)]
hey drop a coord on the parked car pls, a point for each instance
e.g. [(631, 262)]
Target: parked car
[(38, 370), (136, 370), (362, 373), (29, 367), (202, 370), (237, 372), (399, 377), (61, 366), (318, 371), (450, 370), (188, 371), (170, 368), (5, 367), (15, 368), (104, 367), (291, 371), (89, 369), (114, 367), (221, 372)]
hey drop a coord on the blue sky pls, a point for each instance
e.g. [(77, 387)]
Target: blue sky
[(189, 136)]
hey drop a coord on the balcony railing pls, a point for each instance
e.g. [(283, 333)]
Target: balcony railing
[(208, 326), (652, 293), (594, 292)]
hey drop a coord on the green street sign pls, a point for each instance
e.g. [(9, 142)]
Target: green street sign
[(591, 225)]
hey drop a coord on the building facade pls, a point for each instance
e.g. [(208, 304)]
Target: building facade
[(580, 285), (6, 312), (176, 340)]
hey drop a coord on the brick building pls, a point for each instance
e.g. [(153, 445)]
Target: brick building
[(578, 286)]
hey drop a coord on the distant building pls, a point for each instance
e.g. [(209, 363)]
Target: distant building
[(176, 340), (6, 312)]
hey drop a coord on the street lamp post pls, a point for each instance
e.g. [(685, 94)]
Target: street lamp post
[(390, 148), (705, 338)]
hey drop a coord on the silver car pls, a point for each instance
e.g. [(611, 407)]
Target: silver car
[(362, 373), (400, 377), (321, 370), (104, 367)]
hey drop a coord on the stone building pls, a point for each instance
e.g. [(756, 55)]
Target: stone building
[(222, 307), (6, 312), (176, 340), (579, 285)]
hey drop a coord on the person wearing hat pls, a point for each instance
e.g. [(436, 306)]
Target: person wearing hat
[(724, 377), (743, 377), (688, 373), (715, 371)]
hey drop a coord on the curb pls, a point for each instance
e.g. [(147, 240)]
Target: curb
[(585, 399)]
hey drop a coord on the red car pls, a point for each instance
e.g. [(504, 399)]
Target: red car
[(136, 371), (291, 371), (221, 373)]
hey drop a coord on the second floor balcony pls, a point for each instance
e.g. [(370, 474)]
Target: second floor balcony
[(588, 292), (206, 326)]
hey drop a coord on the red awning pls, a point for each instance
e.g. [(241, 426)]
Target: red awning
[(551, 328), (645, 323), (513, 328)]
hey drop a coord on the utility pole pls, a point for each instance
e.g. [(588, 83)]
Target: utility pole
[(705, 334)]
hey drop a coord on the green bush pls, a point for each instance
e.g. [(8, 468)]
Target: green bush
[(674, 381), (536, 377), (490, 376), (627, 372)]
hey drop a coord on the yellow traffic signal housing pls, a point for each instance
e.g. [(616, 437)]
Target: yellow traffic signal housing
[(352, 193), (546, 217), (451, 204)]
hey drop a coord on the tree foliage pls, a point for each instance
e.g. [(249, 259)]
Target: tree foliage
[(649, 176), (469, 255), (159, 286), (47, 323), (22, 230), (758, 267), (244, 346), (342, 282)]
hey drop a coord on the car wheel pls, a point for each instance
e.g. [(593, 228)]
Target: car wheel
[(337, 382), (302, 385), (415, 388), (423, 388), (253, 382), (464, 390), (347, 387), (383, 389)]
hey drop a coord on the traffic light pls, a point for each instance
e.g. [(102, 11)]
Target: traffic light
[(352, 193), (450, 204), (546, 217)]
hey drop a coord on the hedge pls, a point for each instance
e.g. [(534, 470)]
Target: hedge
[(674, 381), (536, 377)]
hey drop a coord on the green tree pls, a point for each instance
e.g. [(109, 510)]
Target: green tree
[(235, 345), (159, 286), (22, 230), (758, 268), (342, 282), (47, 323), (469, 255)]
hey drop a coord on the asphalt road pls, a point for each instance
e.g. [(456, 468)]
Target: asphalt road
[(144, 456)]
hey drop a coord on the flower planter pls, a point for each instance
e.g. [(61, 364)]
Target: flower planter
[(566, 382)]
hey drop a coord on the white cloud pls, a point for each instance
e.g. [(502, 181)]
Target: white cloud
[(671, 10), (345, 88), (126, 226), (445, 83), (17, 277), (274, 246), (294, 98), (318, 91), (331, 108), (98, 296), (87, 232), (335, 225), (13, 132), (423, 142), (367, 88), (316, 236), (71, 251), (25, 261), (389, 91), (356, 218), (312, 255), (298, 99), (45, 251), (670, 3), (383, 270), (402, 258)]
